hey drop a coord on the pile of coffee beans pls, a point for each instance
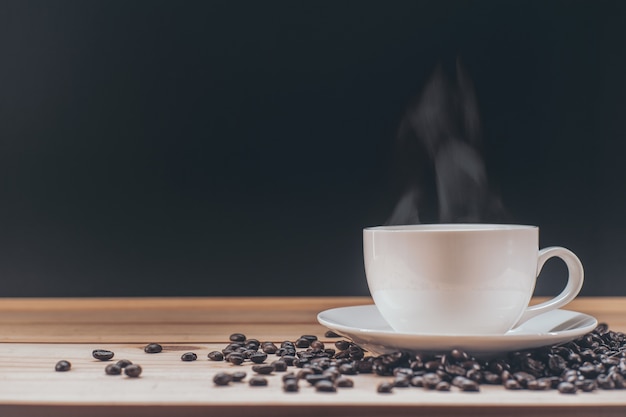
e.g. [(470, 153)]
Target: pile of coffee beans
[(594, 361)]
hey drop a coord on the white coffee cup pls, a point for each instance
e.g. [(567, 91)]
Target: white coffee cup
[(466, 279)]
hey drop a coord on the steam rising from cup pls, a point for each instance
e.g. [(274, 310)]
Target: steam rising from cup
[(439, 140)]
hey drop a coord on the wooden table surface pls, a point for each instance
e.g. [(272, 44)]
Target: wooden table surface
[(36, 333)]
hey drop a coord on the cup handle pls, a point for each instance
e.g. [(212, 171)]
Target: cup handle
[(571, 290)]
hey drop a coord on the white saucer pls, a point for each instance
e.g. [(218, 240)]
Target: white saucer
[(367, 328)]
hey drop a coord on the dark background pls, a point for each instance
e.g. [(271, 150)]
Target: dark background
[(239, 147)]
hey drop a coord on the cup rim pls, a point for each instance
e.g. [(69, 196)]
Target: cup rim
[(449, 227)]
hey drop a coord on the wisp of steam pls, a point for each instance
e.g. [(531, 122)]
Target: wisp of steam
[(439, 141)]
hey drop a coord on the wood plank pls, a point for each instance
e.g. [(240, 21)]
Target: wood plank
[(71, 328), (173, 320), (28, 383)]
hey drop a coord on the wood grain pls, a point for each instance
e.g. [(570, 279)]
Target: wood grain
[(36, 333)]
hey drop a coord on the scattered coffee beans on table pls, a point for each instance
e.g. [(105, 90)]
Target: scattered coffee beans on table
[(62, 366)]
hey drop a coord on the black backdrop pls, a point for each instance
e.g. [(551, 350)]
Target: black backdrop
[(239, 147)]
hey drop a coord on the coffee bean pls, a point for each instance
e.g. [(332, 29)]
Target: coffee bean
[(237, 337), (401, 381), (222, 378), (342, 344), (237, 376), (512, 384), (258, 357), (538, 385), (567, 388), (113, 369), (291, 385), (315, 378), (279, 366), (586, 385), (188, 357), (123, 363), (133, 371), (62, 366), (469, 386), (288, 359), (102, 354), (235, 358), (263, 369), (325, 386), (153, 348), (216, 356), (417, 381), (317, 345), (344, 382), (384, 388), (257, 381), (330, 333), (269, 348), (443, 386), (303, 343)]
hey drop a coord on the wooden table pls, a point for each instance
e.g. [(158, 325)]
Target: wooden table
[(36, 333)]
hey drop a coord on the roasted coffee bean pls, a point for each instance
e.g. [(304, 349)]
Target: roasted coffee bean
[(586, 385), (222, 378), (291, 385), (538, 385), (302, 374), (330, 333), (317, 345), (113, 369), (618, 380), (102, 354), (454, 369), (432, 366), (263, 369), (384, 388), (491, 378), (289, 375), (342, 344), (216, 356), (401, 381), (417, 381), (302, 343), (605, 382), (62, 366), (325, 386), (257, 381), (344, 382), (469, 386), (235, 358), (567, 388), (315, 378), (269, 348), (123, 363), (238, 376), (237, 337), (512, 384), (288, 359), (133, 371), (459, 355), (287, 343), (443, 386), (252, 344), (279, 366), (153, 348), (431, 380), (258, 357), (188, 357)]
